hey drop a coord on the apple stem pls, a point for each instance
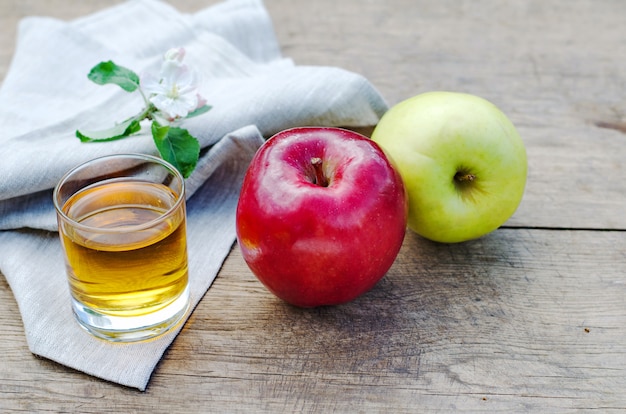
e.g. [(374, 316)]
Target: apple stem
[(319, 177), (464, 177)]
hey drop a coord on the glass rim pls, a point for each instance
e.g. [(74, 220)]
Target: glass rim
[(180, 199)]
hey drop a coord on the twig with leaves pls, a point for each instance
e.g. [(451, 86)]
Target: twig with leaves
[(169, 98)]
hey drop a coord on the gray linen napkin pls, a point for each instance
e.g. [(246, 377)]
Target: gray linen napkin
[(46, 96)]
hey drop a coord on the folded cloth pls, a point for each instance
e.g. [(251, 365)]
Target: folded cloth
[(46, 96)]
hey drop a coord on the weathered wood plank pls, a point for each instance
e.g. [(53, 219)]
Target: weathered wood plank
[(522, 319), (554, 69)]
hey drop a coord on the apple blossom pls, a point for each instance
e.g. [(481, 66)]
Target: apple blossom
[(169, 97), (174, 93)]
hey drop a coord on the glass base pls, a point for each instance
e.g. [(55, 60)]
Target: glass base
[(135, 328)]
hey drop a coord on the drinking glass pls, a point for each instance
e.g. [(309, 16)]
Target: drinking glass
[(122, 224)]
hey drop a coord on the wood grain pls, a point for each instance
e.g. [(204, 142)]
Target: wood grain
[(524, 319), (527, 319), (554, 69)]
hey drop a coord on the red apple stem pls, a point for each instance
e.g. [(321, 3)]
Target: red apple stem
[(319, 178)]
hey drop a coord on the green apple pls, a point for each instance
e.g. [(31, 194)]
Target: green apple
[(462, 161)]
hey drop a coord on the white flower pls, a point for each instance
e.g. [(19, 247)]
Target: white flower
[(174, 92)]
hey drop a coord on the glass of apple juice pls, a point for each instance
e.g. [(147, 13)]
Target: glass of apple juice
[(122, 225)]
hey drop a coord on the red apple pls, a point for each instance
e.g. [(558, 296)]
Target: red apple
[(321, 216)]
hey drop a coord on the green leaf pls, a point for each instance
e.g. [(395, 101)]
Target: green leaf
[(177, 147), (119, 131), (109, 72), (199, 111)]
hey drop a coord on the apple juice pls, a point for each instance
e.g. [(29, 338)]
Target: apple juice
[(120, 261)]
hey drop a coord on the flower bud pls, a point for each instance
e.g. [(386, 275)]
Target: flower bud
[(176, 54)]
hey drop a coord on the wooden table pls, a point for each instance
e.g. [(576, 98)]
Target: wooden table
[(531, 318)]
